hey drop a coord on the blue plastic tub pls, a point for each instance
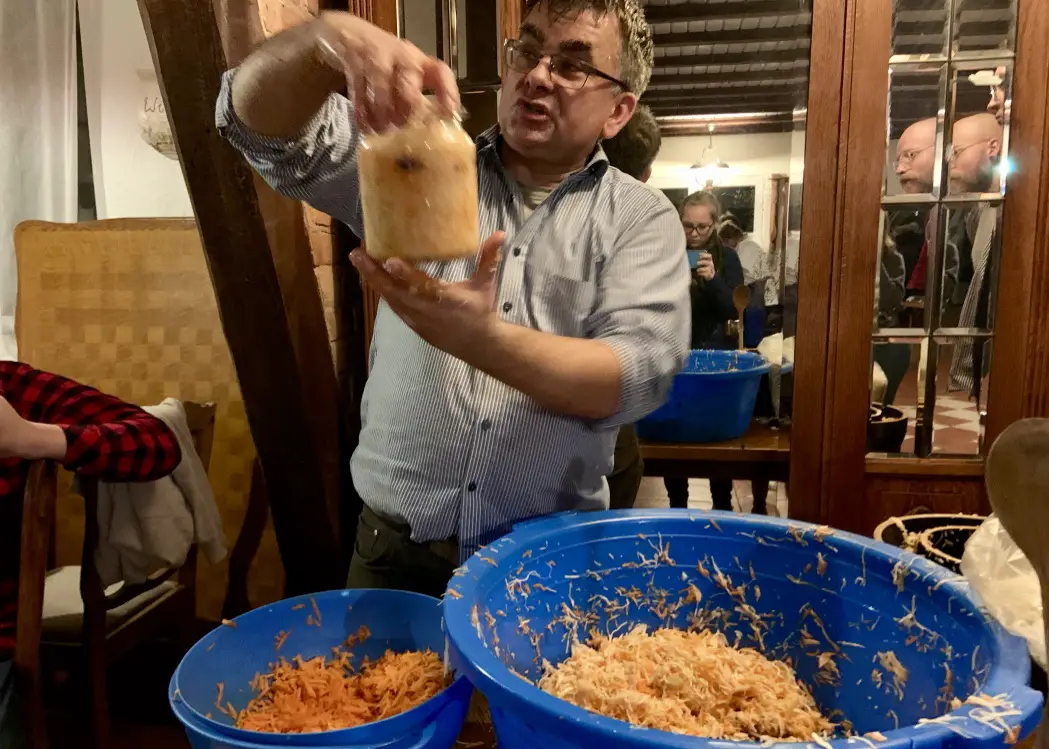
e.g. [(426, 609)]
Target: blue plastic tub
[(869, 598), (398, 621), (711, 399)]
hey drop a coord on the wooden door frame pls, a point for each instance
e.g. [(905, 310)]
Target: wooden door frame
[(827, 129), (848, 480)]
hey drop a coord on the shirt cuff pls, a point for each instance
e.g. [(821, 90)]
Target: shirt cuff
[(638, 394)]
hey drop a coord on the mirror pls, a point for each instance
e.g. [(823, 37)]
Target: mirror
[(729, 90), (940, 243)]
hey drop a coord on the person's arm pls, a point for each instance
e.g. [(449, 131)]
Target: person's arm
[(718, 290), (45, 416), (281, 110), (638, 335)]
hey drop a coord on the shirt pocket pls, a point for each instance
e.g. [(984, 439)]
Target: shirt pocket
[(558, 304)]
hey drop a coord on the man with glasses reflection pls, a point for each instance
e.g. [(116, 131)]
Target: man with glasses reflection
[(496, 385), (975, 158)]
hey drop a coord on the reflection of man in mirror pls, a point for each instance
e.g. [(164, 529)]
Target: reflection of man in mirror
[(996, 106), (632, 151), (915, 163), (975, 157)]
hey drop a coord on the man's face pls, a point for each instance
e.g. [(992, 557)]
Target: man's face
[(996, 106), (973, 154), (916, 157), (543, 119), (698, 225)]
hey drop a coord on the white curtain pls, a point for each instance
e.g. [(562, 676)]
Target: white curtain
[(38, 130)]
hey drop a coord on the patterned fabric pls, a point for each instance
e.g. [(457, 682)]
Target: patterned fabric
[(445, 448), (106, 438), (964, 375)]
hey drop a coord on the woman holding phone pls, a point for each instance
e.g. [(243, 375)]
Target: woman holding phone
[(716, 272)]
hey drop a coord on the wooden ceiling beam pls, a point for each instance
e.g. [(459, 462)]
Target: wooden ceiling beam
[(735, 58), (662, 77), (689, 12), (796, 33)]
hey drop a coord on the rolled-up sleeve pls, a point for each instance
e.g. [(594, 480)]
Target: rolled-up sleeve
[(318, 166), (642, 309)]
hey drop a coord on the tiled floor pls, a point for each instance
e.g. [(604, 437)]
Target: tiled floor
[(652, 494), (956, 425)]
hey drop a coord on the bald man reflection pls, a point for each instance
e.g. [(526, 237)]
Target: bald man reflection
[(976, 155), (915, 163)]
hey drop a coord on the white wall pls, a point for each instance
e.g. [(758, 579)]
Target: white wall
[(752, 159), (131, 178)]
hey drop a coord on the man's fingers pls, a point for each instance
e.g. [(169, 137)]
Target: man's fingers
[(408, 87), (440, 78), (488, 258)]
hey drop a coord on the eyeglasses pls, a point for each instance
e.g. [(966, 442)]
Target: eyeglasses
[(908, 156), (957, 151), (689, 227), (565, 70)]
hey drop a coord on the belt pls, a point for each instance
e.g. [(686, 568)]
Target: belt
[(447, 549)]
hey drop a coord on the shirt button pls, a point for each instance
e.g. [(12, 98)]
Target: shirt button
[(517, 251), (486, 425), (472, 486), (507, 306)]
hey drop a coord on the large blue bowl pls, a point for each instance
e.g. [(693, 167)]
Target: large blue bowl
[(398, 621), (868, 597), (711, 400)]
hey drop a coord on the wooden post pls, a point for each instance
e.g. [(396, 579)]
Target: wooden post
[(267, 298)]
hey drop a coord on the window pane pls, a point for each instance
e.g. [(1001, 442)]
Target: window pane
[(899, 290), (970, 270), (894, 396), (961, 388), (919, 27), (915, 140), (977, 155), (982, 25)]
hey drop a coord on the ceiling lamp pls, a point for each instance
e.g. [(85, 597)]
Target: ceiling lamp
[(710, 168)]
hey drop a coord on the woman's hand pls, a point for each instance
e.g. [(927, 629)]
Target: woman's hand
[(705, 267), (387, 75)]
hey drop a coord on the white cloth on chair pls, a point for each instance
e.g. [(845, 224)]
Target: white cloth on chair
[(147, 526)]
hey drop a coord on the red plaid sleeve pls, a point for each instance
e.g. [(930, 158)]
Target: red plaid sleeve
[(106, 437)]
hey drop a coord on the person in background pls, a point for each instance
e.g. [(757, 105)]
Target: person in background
[(47, 417), (997, 106), (632, 151), (752, 256), (976, 155), (717, 273), (498, 383)]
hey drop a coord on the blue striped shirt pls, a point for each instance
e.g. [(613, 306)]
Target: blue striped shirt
[(445, 448)]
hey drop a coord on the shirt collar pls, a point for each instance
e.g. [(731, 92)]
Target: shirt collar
[(489, 140)]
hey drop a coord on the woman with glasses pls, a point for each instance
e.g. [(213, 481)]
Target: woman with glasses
[(716, 273)]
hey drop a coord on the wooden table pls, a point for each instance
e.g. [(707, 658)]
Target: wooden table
[(763, 453)]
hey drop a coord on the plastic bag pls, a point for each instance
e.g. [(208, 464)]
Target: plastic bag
[(1000, 573), (419, 191)]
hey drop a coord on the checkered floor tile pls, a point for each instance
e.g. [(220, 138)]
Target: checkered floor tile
[(956, 426)]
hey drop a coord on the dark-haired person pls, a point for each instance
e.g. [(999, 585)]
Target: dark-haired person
[(716, 275), (498, 384), (633, 150), (44, 416)]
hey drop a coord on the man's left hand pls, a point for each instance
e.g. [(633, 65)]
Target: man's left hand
[(450, 316)]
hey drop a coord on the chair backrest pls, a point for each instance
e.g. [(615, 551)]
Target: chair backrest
[(127, 306)]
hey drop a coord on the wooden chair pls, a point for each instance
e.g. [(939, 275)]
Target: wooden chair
[(103, 625)]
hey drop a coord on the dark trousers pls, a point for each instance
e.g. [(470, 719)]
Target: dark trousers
[(894, 360), (677, 491), (627, 470), (12, 726), (384, 556)]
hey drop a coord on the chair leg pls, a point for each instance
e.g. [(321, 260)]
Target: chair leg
[(98, 703)]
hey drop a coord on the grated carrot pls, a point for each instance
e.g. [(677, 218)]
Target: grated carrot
[(319, 694)]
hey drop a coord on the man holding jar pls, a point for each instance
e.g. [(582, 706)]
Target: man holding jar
[(497, 384)]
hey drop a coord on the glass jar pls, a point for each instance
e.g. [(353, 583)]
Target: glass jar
[(419, 191)]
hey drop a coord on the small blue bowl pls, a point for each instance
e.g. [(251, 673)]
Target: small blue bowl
[(398, 621)]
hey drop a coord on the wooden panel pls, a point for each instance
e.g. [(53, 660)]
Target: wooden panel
[(267, 296), (1019, 383), (827, 111), (886, 496), (127, 306)]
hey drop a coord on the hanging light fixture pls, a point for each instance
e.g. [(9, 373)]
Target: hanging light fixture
[(710, 168)]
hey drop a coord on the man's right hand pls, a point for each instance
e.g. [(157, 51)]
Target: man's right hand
[(387, 75)]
